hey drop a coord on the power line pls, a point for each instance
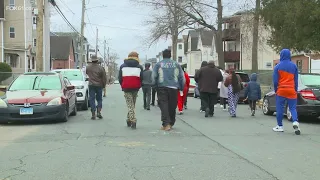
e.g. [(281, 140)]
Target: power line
[(67, 6), (114, 27)]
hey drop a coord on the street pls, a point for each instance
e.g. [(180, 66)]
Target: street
[(198, 148)]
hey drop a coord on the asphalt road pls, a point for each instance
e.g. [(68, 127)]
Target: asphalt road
[(218, 148)]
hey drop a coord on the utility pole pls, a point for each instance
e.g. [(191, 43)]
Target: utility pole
[(97, 40), (80, 64), (104, 51), (39, 55)]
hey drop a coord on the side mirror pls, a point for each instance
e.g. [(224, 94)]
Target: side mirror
[(87, 79), (70, 87), (3, 88)]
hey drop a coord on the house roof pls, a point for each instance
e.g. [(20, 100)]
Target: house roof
[(60, 47), (180, 40), (206, 37), (74, 35)]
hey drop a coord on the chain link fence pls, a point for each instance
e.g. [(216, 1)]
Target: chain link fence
[(7, 77)]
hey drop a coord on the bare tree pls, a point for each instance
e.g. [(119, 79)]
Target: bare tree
[(168, 20), (255, 37)]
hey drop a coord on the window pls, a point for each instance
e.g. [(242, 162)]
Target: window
[(34, 42), (73, 75), (269, 64), (244, 77), (179, 59), (299, 64), (12, 33), (310, 79), (34, 20), (12, 60), (180, 46), (30, 82), (11, 3)]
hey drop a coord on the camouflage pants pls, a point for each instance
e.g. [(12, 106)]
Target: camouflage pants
[(131, 98)]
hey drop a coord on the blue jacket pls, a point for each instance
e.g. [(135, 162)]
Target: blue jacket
[(285, 76), (168, 73), (253, 90)]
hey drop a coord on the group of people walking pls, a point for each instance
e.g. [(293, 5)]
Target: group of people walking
[(171, 84)]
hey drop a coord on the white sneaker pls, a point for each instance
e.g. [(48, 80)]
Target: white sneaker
[(296, 128), (215, 106), (221, 106), (278, 129), (224, 109)]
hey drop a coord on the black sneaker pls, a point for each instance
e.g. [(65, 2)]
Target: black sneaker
[(252, 112), (207, 113), (133, 125), (148, 109), (99, 116)]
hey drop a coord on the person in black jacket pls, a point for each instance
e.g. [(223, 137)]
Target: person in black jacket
[(208, 79), (202, 108)]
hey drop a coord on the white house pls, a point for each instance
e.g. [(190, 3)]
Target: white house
[(199, 49), (181, 58), (237, 43)]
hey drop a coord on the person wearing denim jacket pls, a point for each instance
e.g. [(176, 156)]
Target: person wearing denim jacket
[(168, 77)]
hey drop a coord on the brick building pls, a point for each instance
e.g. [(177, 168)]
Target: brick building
[(306, 62), (62, 52)]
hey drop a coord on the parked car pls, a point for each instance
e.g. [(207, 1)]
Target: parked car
[(192, 87), (245, 80), (116, 82), (308, 104), (80, 81), (38, 96)]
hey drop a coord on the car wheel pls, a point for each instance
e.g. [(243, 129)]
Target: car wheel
[(288, 114), (74, 111), (66, 114), (85, 105), (265, 107)]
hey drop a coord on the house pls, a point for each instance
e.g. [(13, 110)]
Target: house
[(181, 51), (306, 63), (62, 52), (15, 34), (199, 46), (237, 43), (77, 45)]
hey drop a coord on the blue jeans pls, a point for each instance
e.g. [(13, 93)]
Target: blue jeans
[(280, 105), (95, 93)]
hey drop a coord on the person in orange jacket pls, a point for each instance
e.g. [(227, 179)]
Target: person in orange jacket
[(182, 96)]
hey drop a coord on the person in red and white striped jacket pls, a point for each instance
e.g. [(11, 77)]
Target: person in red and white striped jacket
[(130, 79)]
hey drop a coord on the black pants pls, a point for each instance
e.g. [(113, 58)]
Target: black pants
[(252, 104), (146, 96), (209, 100), (186, 99), (202, 108), (223, 101), (153, 98), (168, 100)]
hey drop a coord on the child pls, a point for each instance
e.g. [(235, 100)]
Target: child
[(182, 97), (224, 91), (253, 93)]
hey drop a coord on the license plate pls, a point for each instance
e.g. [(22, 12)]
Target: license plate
[(26, 111)]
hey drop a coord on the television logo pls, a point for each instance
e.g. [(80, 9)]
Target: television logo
[(18, 8)]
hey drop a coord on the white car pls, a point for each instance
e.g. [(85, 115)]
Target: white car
[(78, 79)]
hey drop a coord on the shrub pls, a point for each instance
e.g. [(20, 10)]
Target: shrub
[(5, 71)]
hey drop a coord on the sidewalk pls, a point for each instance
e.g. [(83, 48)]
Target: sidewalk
[(282, 155)]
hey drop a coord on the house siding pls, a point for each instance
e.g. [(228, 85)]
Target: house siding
[(64, 63)]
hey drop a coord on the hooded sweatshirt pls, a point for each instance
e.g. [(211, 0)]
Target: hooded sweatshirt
[(285, 76), (253, 90), (208, 78), (131, 75)]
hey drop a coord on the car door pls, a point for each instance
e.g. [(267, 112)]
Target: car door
[(272, 98), (71, 94)]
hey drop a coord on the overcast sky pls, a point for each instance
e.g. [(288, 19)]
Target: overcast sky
[(120, 22)]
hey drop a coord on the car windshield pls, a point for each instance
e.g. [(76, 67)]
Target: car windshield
[(36, 82), (244, 77), (310, 79), (72, 75)]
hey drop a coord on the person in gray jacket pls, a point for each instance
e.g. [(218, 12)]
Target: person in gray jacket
[(146, 86)]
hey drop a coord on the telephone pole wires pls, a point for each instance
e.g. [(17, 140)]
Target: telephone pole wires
[(97, 41)]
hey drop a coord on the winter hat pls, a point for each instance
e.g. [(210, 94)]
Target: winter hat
[(134, 55)]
